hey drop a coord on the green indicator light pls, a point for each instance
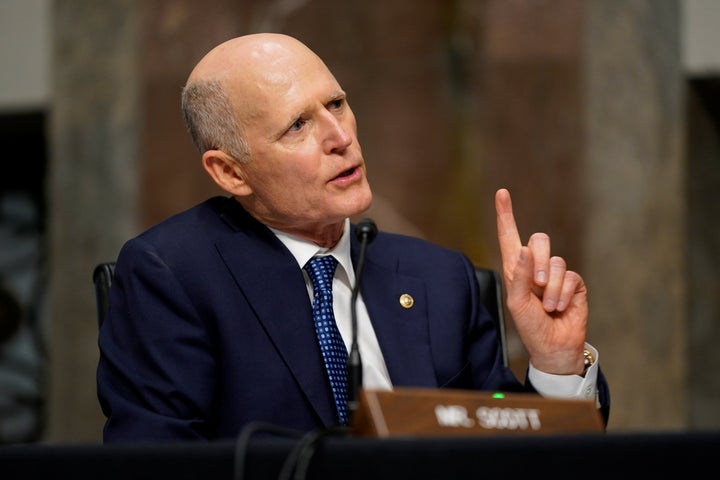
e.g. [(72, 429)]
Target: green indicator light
[(498, 395)]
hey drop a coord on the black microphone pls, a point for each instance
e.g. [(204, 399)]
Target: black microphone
[(365, 231)]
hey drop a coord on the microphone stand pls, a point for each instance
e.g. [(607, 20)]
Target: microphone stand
[(365, 232)]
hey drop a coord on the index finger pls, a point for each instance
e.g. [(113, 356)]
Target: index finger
[(508, 235)]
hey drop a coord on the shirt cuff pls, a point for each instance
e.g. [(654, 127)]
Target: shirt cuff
[(567, 386)]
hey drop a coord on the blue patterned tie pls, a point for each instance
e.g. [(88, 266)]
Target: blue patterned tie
[(321, 271)]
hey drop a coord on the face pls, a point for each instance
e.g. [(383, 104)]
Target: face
[(306, 172)]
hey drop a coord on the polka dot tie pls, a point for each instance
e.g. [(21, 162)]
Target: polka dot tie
[(321, 271)]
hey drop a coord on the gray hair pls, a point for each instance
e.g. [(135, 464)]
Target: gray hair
[(211, 120)]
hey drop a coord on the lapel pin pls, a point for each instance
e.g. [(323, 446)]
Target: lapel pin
[(406, 300)]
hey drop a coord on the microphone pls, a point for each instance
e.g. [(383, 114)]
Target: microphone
[(365, 231)]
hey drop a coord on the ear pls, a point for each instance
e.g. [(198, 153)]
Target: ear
[(226, 172)]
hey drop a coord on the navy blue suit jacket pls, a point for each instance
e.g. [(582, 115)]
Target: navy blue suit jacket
[(209, 328)]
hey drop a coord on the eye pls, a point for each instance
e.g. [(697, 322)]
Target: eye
[(336, 104), (297, 125)]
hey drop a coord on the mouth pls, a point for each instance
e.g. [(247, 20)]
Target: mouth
[(348, 177), (347, 172)]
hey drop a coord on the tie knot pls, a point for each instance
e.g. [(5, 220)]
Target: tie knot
[(321, 271)]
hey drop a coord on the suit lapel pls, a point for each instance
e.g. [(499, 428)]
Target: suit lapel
[(403, 333), (271, 281)]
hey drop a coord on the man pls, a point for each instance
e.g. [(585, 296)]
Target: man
[(210, 324)]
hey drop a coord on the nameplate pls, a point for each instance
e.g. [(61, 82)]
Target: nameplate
[(446, 412)]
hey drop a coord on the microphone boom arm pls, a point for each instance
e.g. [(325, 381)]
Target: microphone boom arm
[(366, 232)]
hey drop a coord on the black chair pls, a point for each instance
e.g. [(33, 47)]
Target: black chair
[(490, 292), (102, 279)]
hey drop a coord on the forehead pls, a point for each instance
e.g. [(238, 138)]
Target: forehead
[(284, 90)]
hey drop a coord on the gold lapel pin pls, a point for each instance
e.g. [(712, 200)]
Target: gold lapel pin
[(406, 300)]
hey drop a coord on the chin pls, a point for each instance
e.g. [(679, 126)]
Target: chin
[(350, 203), (361, 204)]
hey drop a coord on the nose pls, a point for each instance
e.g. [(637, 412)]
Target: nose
[(336, 135)]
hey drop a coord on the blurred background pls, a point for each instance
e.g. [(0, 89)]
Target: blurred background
[(602, 117)]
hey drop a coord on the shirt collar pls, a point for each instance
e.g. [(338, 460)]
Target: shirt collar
[(303, 250)]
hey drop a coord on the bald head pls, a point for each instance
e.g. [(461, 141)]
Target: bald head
[(249, 55), (228, 86)]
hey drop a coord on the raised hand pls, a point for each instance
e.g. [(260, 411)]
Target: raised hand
[(548, 302)]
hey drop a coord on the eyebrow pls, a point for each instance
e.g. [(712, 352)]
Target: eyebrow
[(336, 95)]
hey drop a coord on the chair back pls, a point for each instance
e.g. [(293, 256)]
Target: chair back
[(103, 278), (491, 294)]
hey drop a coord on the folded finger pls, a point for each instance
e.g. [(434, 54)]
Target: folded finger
[(572, 284), (555, 284), (539, 243)]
